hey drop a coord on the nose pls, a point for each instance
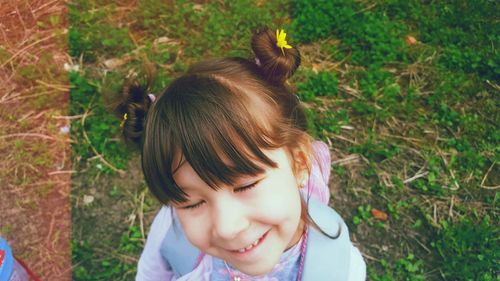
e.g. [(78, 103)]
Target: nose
[(229, 219)]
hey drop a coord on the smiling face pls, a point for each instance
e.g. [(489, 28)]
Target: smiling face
[(248, 225)]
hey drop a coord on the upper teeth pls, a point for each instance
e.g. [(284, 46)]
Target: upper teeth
[(242, 250)]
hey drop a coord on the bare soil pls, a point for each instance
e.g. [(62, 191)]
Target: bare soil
[(110, 213), (35, 167)]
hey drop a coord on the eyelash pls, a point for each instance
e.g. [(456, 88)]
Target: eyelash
[(237, 190), (246, 187), (195, 206)]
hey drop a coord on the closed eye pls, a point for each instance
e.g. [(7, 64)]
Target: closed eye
[(236, 190), (193, 206), (246, 187)]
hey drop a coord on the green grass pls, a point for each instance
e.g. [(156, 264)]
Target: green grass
[(417, 106), (322, 84), (472, 241), (118, 264), (368, 37), (91, 33), (422, 119), (98, 131), (408, 268)]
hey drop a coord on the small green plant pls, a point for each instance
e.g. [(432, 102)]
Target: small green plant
[(81, 251), (92, 265), (376, 151), (332, 121), (131, 241), (433, 182), (469, 249), (91, 34), (339, 170), (408, 269), (395, 208), (114, 191), (321, 124), (364, 213), (324, 84)]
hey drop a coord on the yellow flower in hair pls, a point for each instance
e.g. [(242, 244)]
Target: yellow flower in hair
[(281, 40), (123, 120)]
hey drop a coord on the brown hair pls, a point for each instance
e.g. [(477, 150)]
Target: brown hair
[(219, 117)]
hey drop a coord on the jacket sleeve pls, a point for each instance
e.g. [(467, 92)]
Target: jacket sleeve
[(317, 186), (152, 266), (357, 266)]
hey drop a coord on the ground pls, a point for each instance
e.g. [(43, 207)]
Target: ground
[(406, 96), (36, 167)]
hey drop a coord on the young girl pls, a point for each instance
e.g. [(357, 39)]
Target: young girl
[(244, 188)]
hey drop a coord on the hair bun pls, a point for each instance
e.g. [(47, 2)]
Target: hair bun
[(276, 64), (135, 104)]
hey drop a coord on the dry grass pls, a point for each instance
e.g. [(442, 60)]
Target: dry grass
[(35, 167)]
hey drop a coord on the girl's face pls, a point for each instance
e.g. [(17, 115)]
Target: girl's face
[(248, 225)]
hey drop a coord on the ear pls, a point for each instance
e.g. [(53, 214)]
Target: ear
[(300, 165)]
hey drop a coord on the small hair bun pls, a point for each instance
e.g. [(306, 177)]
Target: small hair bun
[(136, 103), (276, 66)]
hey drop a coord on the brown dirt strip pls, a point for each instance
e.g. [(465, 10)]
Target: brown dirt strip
[(35, 166)]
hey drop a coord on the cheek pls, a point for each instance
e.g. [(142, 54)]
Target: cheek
[(280, 205), (196, 229)]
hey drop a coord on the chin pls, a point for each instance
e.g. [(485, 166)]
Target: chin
[(258, 269), (257, 272)]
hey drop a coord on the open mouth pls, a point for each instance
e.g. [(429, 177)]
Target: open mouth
[(251, 246)]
